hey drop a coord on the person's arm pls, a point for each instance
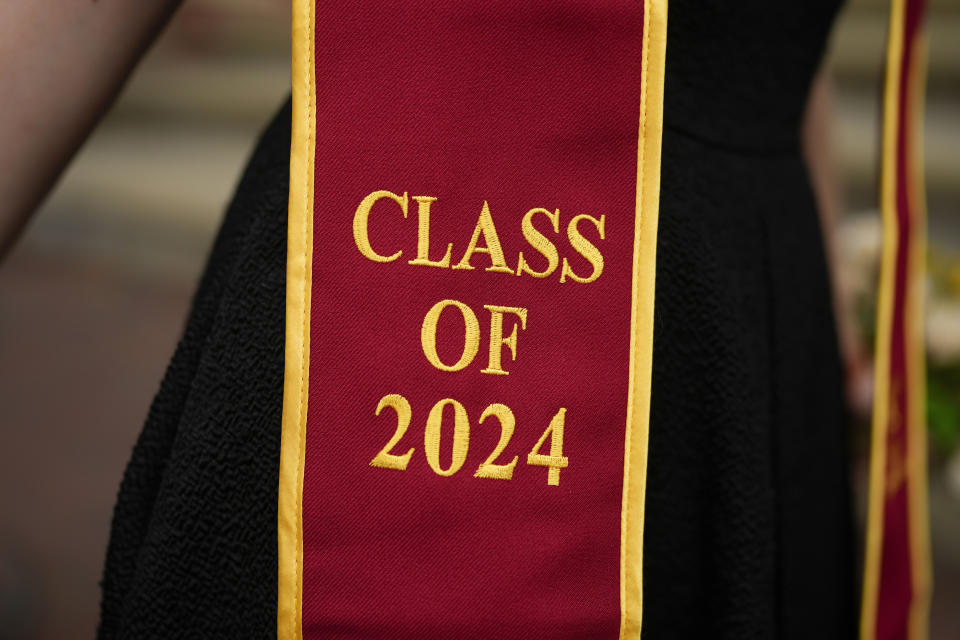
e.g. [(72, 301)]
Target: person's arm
[(818, 152), (62, 62)]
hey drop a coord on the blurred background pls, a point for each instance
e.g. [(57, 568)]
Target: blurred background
[(94, 298)]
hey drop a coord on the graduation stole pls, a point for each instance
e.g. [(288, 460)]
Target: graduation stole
[(471, 250), (470, 287), (897, 569)]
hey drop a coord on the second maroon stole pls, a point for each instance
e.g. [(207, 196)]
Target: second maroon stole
[(897, 575)]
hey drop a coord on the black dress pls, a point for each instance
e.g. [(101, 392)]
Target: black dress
[(748, 515)]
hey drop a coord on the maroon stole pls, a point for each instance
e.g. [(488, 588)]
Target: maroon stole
[(470, 285), (471, 259), (897, 575)]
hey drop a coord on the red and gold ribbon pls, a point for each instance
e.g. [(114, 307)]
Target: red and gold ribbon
[(897, 575)]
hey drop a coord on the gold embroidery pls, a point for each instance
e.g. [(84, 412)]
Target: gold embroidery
[(461, 437), (361, 219), (585, 248), (539, 242), (895, 420), (496, 336), (486, 227), (491, 240), (428, 335), (896, 471), (489, 468), (423, 236), (556, 460), (385, 459)]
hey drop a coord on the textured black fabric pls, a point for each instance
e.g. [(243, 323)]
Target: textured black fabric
[(748, 523), (193, 546)]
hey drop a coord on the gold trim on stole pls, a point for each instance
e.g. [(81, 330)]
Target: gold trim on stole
[(297, 348), (641, 318)]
